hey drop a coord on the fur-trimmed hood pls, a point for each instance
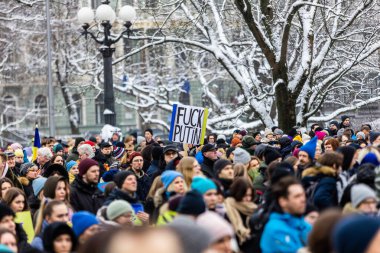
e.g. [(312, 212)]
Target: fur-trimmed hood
[(101, 215), (319, 171), (159, 198), (24, 181)]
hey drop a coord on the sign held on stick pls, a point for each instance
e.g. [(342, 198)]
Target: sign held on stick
[(188, 124)]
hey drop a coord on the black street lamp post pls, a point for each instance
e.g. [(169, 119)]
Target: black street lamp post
[(106, 16)]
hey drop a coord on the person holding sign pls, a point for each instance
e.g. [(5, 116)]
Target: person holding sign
[(209, 158)]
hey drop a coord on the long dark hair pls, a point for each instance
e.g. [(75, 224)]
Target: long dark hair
[(239, 188), (13, 193)]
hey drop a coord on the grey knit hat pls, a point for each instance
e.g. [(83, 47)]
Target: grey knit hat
[(118, 208), (361, 192), (241, 156)]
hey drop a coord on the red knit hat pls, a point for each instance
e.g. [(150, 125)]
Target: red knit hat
[(85, 164), (133, 155), (92, 144)]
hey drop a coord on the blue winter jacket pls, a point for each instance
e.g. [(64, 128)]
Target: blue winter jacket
[(284, 233)]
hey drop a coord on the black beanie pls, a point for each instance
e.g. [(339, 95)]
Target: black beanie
[(52, 231), (120, 177), (220, 164), (157, 152), (5, 211), (192, 204), (271, 154)]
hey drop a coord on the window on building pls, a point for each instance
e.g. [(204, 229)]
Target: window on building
[(9, 105), (79, 106), (40, 104), (99, 109)]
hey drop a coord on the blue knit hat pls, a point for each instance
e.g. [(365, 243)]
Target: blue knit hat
[(38, 185), (354, 233), (370, 158), (202, 184), (169, 176), (70, 164), (83, 220), (310, 147)]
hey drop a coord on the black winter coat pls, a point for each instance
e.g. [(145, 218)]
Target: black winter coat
[(117, 194), (207, 167), (143, 185), (85, 197)]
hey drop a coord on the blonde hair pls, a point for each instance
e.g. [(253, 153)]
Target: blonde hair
[(157, 184), (185, 166), (171, 186), (240, 170)]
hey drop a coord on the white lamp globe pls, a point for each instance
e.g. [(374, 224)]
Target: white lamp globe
[(85, 15), (127, 13), (105, 13)]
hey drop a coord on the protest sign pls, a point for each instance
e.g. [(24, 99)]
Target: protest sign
[(25, 219), (188, 124)]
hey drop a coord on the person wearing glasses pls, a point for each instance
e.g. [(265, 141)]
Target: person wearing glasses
[(143, 181)]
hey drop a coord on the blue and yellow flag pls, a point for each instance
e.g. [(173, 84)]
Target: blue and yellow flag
[(36, 144)]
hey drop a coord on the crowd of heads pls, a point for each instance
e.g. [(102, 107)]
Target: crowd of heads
[(301, 190)]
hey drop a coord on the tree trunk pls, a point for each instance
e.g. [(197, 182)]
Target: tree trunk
[(286, 108)]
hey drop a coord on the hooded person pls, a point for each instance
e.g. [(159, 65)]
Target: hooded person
[(52, 238)]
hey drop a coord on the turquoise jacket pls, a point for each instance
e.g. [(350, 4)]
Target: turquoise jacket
[(284, 233)]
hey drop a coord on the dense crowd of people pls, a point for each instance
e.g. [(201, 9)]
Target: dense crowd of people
[(304, 191)]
